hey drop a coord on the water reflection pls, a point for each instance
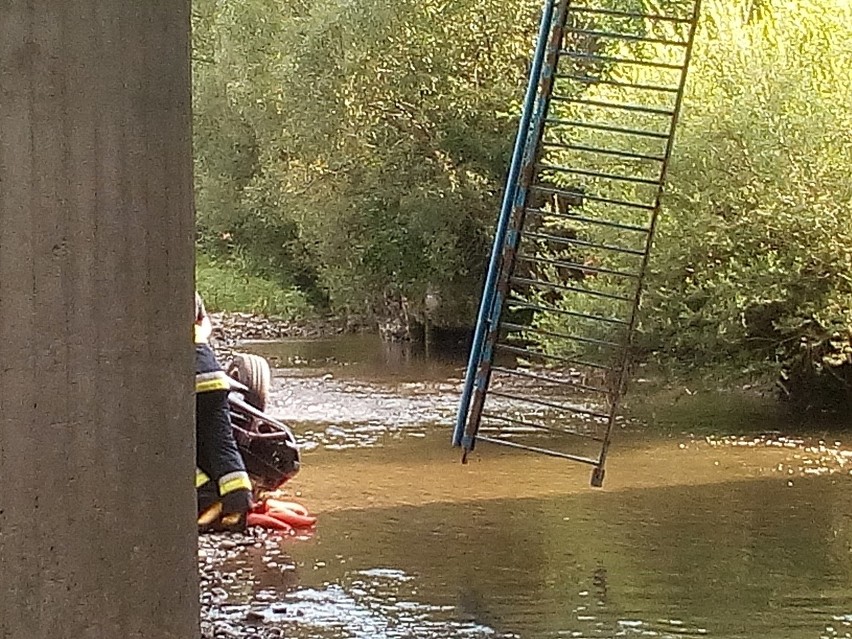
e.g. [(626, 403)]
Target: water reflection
[(691, 537), (363, 357), (754, 558)]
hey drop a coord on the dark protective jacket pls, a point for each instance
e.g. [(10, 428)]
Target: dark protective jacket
[(217, 455), (209, 375)]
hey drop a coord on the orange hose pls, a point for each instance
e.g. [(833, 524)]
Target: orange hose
[(265, 521), (292, 518), (277, 504)]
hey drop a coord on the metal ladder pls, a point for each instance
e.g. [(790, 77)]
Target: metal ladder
[(552, 347)]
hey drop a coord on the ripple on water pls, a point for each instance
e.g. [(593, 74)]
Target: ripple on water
[(341, 414), (377, 604), (729, 552)]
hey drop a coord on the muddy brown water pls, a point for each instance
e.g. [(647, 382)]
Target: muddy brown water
[(691, 536)]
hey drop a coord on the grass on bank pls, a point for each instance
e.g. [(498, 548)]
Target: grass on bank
[(229, 286)]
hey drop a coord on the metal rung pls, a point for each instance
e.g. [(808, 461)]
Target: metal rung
[(553, 405), (596, 174), (593, 198), (571, 289), (556, 239), (598, 96), (544, 236), (580, 267), (635, 108), (576, 338), (629, 37), (549, 380), (556, 358), (586, 79), (606, 247), (577, 314), (609, 128), (630, 14), (603, 247), (581, 218), (520, 422), (536, 449), (591, 149), (614, 60), (574, 266)]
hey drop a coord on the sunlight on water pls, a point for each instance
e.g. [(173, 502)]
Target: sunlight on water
[(691, 536)]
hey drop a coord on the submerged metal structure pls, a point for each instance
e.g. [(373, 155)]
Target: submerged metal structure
[(552, 346)]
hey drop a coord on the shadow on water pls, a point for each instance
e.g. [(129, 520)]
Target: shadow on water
[(690, 537), (365, 357), (750, 559)]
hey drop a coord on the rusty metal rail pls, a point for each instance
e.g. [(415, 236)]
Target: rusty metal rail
[(575, 230)]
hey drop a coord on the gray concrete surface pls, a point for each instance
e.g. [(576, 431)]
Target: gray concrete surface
[(97, 532)]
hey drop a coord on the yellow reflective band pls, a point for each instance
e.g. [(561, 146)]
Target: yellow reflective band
[(234, 481), (217, 374), (200, 478), (215, 380), (212, 385)]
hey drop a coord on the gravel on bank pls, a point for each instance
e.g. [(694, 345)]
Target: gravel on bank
[(231, 329), (220, 620)]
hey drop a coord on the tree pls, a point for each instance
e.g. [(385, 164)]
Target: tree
[(753, 258), (369, 139)]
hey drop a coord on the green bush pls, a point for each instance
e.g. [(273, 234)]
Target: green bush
[(754, 256), (359, 147), (357, 151), (752, 265), (229, 286)]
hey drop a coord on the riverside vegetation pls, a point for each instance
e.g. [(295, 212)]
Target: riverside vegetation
[(350, 158)]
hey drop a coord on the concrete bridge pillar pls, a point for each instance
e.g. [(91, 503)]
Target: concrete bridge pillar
[(97, 531)]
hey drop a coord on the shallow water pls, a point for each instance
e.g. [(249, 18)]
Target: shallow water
[(691, 536)]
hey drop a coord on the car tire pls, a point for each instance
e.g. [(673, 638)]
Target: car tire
[(254, 372)]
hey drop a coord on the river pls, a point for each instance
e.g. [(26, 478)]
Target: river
[(743, 533)]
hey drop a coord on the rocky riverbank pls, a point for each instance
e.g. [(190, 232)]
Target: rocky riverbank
[(219, 620), (231, 329)]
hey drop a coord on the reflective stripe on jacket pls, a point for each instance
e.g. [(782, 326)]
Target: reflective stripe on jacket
[(237, 480), (209, 376)]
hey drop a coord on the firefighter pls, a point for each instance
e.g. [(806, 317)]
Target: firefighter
[(222, 483)]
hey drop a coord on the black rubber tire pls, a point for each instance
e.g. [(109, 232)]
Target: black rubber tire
[(252, 371)]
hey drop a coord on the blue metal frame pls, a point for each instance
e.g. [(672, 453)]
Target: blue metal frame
[(488, 295), (525, 169)]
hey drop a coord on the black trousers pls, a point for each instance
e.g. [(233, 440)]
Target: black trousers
[(217, 455)]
